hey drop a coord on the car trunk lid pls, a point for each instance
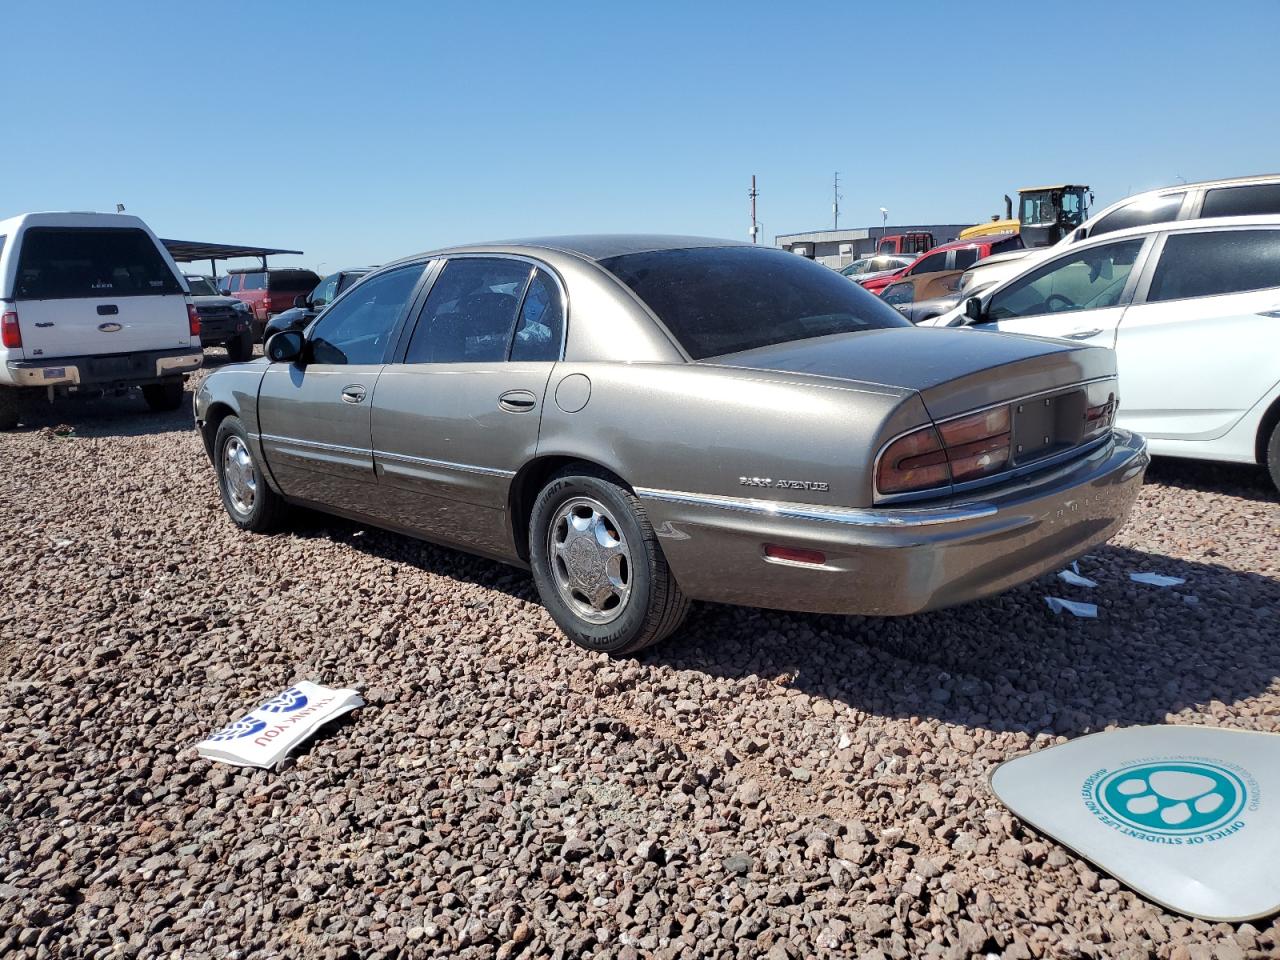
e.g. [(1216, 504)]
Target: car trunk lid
[(955, 370)]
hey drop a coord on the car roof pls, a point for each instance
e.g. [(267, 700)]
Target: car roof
[(69, 218), (1177, 226), (271, 270), (600, 246), (981, 241)]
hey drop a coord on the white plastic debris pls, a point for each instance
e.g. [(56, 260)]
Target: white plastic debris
[(1156, 579), (1190, 599), (1186, 816), (265, 735), (1073, 577), (1074, 607)]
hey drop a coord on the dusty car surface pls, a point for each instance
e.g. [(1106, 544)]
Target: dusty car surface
[(643, 421)]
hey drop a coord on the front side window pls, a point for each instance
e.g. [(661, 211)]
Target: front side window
[(722, 300), (1085, 280), (541, 323), (1140, 213), (931, 264), (231, 283), (325, 292), (253, 281), (858, 267), (1255, 198), (897, 293), (56, 263), (1216, 263), (358, 329), (470, 312)]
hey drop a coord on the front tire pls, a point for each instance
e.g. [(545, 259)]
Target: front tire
[(1273, 456), (163, 397), (598, 566), (248, 500)]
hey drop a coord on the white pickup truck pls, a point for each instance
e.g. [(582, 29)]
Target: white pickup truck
[(91, 301)]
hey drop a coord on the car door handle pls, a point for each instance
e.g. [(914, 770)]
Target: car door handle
[(108, 310), (353, 393), (1081, 334), (517, 401)]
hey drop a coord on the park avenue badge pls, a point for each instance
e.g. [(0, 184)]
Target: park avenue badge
[(1186, 816)]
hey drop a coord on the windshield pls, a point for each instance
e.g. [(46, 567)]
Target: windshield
[(720, 300), (200, 287)]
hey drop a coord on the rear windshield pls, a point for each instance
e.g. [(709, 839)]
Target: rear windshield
[(719, 300), (200, 287), (57, 263), (300, 280)]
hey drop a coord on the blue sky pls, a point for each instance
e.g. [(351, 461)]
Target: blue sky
[(363, 132)]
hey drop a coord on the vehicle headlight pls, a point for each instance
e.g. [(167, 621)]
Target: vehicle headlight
[(241, 306)]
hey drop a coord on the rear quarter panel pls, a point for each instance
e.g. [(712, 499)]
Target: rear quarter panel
[(701, 428)]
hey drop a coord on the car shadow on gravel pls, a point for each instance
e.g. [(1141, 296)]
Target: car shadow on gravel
[(1242, 480), (1008, 663), (109, 416)]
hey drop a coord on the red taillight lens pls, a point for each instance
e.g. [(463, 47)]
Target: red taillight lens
[(193, 319), (978, 445), (10, 332), (1099, 411), (959, 450), (914, 462)]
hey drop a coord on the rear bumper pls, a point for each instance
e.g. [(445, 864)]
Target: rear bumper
[(117, 369), (887, 562)]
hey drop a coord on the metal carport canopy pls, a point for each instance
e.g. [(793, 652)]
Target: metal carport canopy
[(185, 251)]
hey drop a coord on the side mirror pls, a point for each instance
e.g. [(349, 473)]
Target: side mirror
[(973, 310), (285, 347), (300, 301)]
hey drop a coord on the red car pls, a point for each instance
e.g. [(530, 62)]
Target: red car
[(957, 255), (268, 292)]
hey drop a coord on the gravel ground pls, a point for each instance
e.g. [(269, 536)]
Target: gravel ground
[(763, 784)]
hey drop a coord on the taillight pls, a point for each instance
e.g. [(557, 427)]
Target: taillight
[(957, 451), (193, 319), (1099, 411), (10, 333)]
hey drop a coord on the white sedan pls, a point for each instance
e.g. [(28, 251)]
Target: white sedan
[(1192, 309)]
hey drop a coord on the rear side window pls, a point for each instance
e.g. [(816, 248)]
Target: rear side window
[(1216, 263), (253, 281), (932, 264), (56, 263), (721, 300), (541, 323), (471, 311), (1242, 201), (1008, 243), (1140, 213), (966, 257)]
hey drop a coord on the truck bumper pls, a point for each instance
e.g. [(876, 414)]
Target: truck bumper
[(887, 562), (117, 369)]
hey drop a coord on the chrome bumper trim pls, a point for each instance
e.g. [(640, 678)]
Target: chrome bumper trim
[(921, 517), (34, 376)]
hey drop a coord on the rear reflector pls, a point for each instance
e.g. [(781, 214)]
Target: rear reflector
[(795, 554), (10, 334), (193, 319)]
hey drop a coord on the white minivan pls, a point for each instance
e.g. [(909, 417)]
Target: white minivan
[(91, 301), (1192, 309)]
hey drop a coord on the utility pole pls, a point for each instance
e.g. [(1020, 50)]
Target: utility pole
[(835, 202), (755, 225)]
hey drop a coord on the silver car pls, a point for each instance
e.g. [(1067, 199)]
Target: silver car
[(648, 420)]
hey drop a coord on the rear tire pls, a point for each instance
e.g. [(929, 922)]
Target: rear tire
[(1273, 456), (240, 347), (598, 566), (11, 407), (249, 501), (163, 397)]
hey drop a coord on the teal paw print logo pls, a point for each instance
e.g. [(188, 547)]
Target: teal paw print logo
[(1179, 798)]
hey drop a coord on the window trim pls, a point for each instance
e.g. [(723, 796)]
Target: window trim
[(1157, 251), (420, 301), (425, 265), (1128, 295)]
